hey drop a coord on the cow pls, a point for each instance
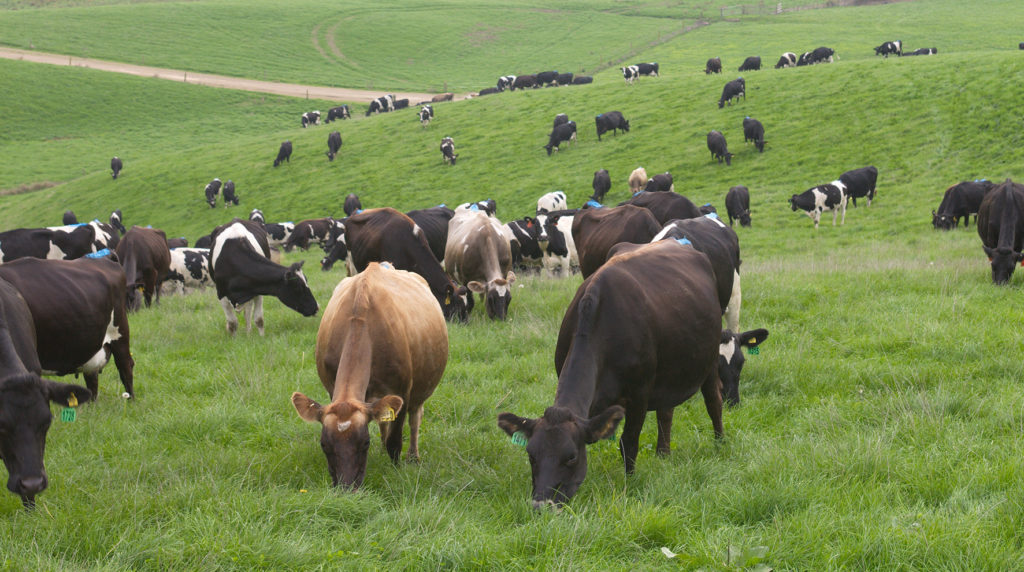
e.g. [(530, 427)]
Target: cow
[(376, 235), (923, 52), (890, 48), (57, 243), (433, 222), (564, 79), (753, 131), (311, 230), (105, 236), (115, 221), (596, 231), (116, 164), (602, 184), (523, 82), (489, 91), (448, 151), (478, 255), (205, 241), (25, 416), (547, 78), (560, 119), (559, 251), (189, 268), (660, 183), (611, 121), (524, 241), (714, 65), (752, 63), (284, 153), (830, 197), (630, 73), (278, 233), (564, 132), (230, 198), (489, 206), (256, 215), (310, 118), (504, 82), (648, 69), (211, 191), (69, 218), (821, 55), (805, 59), (787, 60), (719, 149), (1021, 45), (442, 97), (1001, 228), (707, 208), (401, 104), (340, 112), (381, 350), (961, 201), (665, 206), (79, 314), (622, 356), (146, 259), (860, 183), (737, 205), (582, 79), (382, 104), (734, 89), (241, 270), (426, 114), (637, 179), (179, 242), (352, 204), (550, 202), (731, 360)]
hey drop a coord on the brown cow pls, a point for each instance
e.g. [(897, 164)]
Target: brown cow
[(595, 231), (383, 342), (479, 255), (146, 260)]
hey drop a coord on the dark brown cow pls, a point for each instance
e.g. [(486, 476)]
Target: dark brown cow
[(596, 231), (1001, 228), (665, 206), (146, 259), (479, 256)]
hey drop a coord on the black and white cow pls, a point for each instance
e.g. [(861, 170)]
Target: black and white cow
[(787, 60), (564, 79), (753, 63), (489, 206), (547, 78), (1001, 229), (961, 201), (731, 360), (211, 192), (426, 114), (734, 89), (504, 82), (340, 112), (190, 268), (115, 166), (714, 65), (923, 52), (650, 69), (230, 198), (309, 231), (256, 215), (115, 221), (822, 55), (564, 132), (602, 184), (560, 250), (611, 121), (630, 73), (560, 119), (814, 201), (352, 204), (523, 82), (310, 118), (860, 183), (58, 243), (382, 104), (719, 149), (753, 131), (333, 145), (890, 48), (661, 182), (284, 153), (278, 233), (582, 79), (448, 151), (526, 251), (805, 59), (737, 205)]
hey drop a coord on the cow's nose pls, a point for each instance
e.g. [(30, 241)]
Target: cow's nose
[(32, 486)]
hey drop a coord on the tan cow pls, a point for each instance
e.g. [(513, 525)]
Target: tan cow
[(382, 344), (478, 255), (637, 179)]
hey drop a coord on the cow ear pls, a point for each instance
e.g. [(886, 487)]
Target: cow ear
[(385, 408), (294, 269), (602, 425), (476, 286), (510, 277), (62, 392), (512, 424), (753, 338), (309, 410), (988, 251), (462, 291)]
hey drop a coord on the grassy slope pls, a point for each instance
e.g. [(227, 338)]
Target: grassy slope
[(881, 424)]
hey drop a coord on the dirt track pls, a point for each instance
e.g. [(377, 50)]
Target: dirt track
[(289, 89)]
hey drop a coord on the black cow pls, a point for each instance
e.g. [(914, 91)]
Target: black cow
[(622, 356), (115, 166), (582, 79), (69, 218), (787, 60), (564, 132), (205, 241), (602, 184), (310, 118), (58, 243), (890, 48), (426, 114), (714, 65), (504, 82), (734, 89), (707, 208), (961, 201), (211, 192), (564, 79), (596, 231), (660, 183), (448, 151), (433, 222), (340, 112), (665, 206), (647, 69), (814, 201), (115, 221), (401, 103), (523, 82), (860, 183), (923, 52), (179, 242), (1001, 228), (630, 73), (737, 205), (489, 91), (753, 63), (284, 153), (753, 131), (560, 119), (719, 149), (822, 55), (230, 198), (611, 121), (146, 259), (333, 145), (352, 204), (243, 273), (731, 360), (547, 78), (25, 398)]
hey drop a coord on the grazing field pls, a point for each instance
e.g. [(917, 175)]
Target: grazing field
[(881, 424)]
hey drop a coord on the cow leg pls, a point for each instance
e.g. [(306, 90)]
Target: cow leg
[(629, 442), (257, 313), (415, 418), (842, 205), (229, 313), (125, 363), (92, 382), (393, 444), (712, 390), (816, 217), (835, 213), (247, 309), (665, 431), (732, 311)]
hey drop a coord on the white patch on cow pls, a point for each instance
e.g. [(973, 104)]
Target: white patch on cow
[(55, 252), (554, 201), (717, 220), (343, 426), (236, 230), (661, 234), (95, 363), (732, 311), (416, 230), (501, 289), (303, 278), (727, 350)]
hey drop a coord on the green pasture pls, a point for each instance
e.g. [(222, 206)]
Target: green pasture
[(881, 423)]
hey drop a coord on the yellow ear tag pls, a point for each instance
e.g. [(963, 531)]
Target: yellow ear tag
[(68, 414), (753, 341), (387, 415), (73, 400), (447, 299)]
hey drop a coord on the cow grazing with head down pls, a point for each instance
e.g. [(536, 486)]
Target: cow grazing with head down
[(562, 133), (821, 55), (734, 89), (69, 218), (560, 119), (558, 247), (923, 52), (401, 103), (719, 149), (488, 91), (547, 78), (961, 201), (433, 222), (602, 184), (611, 121), (352, 204), (25, 399), (381, 350), (339, 112), (752, 63), (57, 243), (308, 231), (382, 104), (115, 167), (731, 360), (189, 268), (814, 201), (310, 118), (714, 65), (860, 183), (230, 198), (115, 221), (333, 145), (564, 79), (582, 79), (426, 114), (211, 191), (179, 242), (479, 255), (448, 151), (890, 48), (1001, 228), (596, 231), (504, 82), (284, 153), (630, 73), (753, 131), (737, 205), (787, 60), (523, 82), (243, 274), (660, 183), (665, 206), (278, 233), (624, 355), (649, 69), (489, 206), (637, 179), (146, 259)]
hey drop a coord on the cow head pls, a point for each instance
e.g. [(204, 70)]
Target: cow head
[(555, 239), (942, 222), (458, 303), (792, 202), (731, 360), (24, 420), (337, 248), (115, 221), (295, 292), (497, 295), (556, 444), (256, 215), (745, 218), (1004, 262), (345, 437), (625, 125)]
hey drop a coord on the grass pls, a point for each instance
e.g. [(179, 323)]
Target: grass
[(880, 426)]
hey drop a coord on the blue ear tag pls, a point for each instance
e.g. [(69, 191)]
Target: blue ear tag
[(594, 204), (684, 241), (519, 438), (358, 211), (754, 351)]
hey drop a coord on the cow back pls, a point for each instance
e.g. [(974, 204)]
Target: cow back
[(143, 250), (718, 241), (477, 248), (596, 231), (434, 224), (665, 206)]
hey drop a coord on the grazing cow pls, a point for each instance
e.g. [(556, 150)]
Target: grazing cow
[(211, 192), (230, 198), (340, 112), (352, 204), (311, 230), (665, 206), (104, 236), (830, 197), (890, 48), (547, 78), (602, 184), (564, 132), (385, 234), (180, 242), (25, 415), (442, 97), (489, 91), (478, 255), (630, 73), (564, 79), (333, 145), (787, 60), (707, 208), (649, 69), (961, 201), (822, 55), (753, 131), (737, 205), (205, 241), (637, 179), (448, 151), (582, 79), (278, 233), (560, 119), (714, 65), (923, 52), (753, 63), (69, 218), (401, 103), (256, 215), (189, 268), (115, 221), (310, 118), (805, 59), (624, 355), (57, 243), (243, 274), (731, 360), (734, 89), (523, 82), (284, 153), (382, 104), (596, 231), (1001, 228), (860, 183), (719, 149), (426, 114), (660, 183), (78, 309), (504, 82), (548, 203), (115, 166), (611, 121), (1021, 45), (381, 350), (146, 259)]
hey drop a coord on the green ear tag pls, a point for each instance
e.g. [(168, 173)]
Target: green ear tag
[(754, 350), (519, 438), (387, 415), (68, 415)]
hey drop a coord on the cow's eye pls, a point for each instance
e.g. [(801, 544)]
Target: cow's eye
[(571, 461)]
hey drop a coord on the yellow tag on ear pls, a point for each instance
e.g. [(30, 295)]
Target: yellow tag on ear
[(447, 299), (72, 401), (753, 341), (387, 415)]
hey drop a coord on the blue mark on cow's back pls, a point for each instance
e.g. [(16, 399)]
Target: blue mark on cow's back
[(99, 253)]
